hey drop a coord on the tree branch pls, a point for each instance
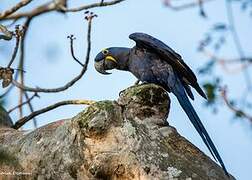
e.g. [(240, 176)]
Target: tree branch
[(31, 108), (70, 83), (14, 8), (237, 41), (25, 119), (238, 63), (72, 38), (21, 62), (47, 7), (94, 5), (185, 6), (24, 103), (52, 6), (237, 111), (18, 35)]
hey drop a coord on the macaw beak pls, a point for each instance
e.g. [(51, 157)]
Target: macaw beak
[(100, 67), (104, 63)]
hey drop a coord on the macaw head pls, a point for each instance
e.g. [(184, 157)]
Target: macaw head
[(111, 58)]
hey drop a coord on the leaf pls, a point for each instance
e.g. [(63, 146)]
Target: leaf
[(5, 34), (211, 91), (6, 76)]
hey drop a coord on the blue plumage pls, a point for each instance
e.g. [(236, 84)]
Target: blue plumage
[(153, 61)]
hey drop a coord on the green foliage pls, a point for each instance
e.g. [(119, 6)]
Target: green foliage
[(211, 89)]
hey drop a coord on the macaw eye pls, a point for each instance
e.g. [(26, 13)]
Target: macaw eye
[(105, 52)]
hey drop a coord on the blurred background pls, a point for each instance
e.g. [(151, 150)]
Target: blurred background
[(213, 37)]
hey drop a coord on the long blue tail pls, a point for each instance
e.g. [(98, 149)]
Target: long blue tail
[(184, 101)]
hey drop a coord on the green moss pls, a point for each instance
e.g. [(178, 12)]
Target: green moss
[(147, 94), (106, 105), (8, 159), (85, 117), (140, 90)]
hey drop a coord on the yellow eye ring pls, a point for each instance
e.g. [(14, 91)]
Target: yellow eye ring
[(105, 52)]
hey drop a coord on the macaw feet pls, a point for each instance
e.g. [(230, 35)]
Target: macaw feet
[(121, 92), (137, 82)]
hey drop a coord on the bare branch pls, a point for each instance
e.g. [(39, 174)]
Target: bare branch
[(47, 7), (238, 63), (10, 11), (237, 41), (25, 119), (232, 108), (21, 62), (18, 35), (70, 83), (72, 38), (52, 6), (185, 6), (31, 108), (94, 5), (24, 103)]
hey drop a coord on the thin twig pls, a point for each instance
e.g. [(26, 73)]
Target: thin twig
[(13, 9), (34, 120), (232, 108), (25, 119), (72, 38), (23, 103), (185, 6), (15, 51), (211, 55), (238, 64), (70, 83), (89, 19), (21, 63), (54, 90), (94, 5), (237, 41)]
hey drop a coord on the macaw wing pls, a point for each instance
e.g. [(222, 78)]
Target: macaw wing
[(168, 54)]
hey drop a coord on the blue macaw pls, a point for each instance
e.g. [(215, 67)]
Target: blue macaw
[(152, 61)]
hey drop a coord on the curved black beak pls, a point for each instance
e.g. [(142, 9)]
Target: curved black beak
[(99, 66)]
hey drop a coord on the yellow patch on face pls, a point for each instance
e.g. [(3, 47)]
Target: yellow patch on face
[(110, 58)]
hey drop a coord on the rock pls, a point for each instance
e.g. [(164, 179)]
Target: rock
[(124, 139)]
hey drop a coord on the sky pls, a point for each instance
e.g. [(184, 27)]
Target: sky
[(49, 64)]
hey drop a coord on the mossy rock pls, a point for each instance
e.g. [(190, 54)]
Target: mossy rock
[(98, 117)]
